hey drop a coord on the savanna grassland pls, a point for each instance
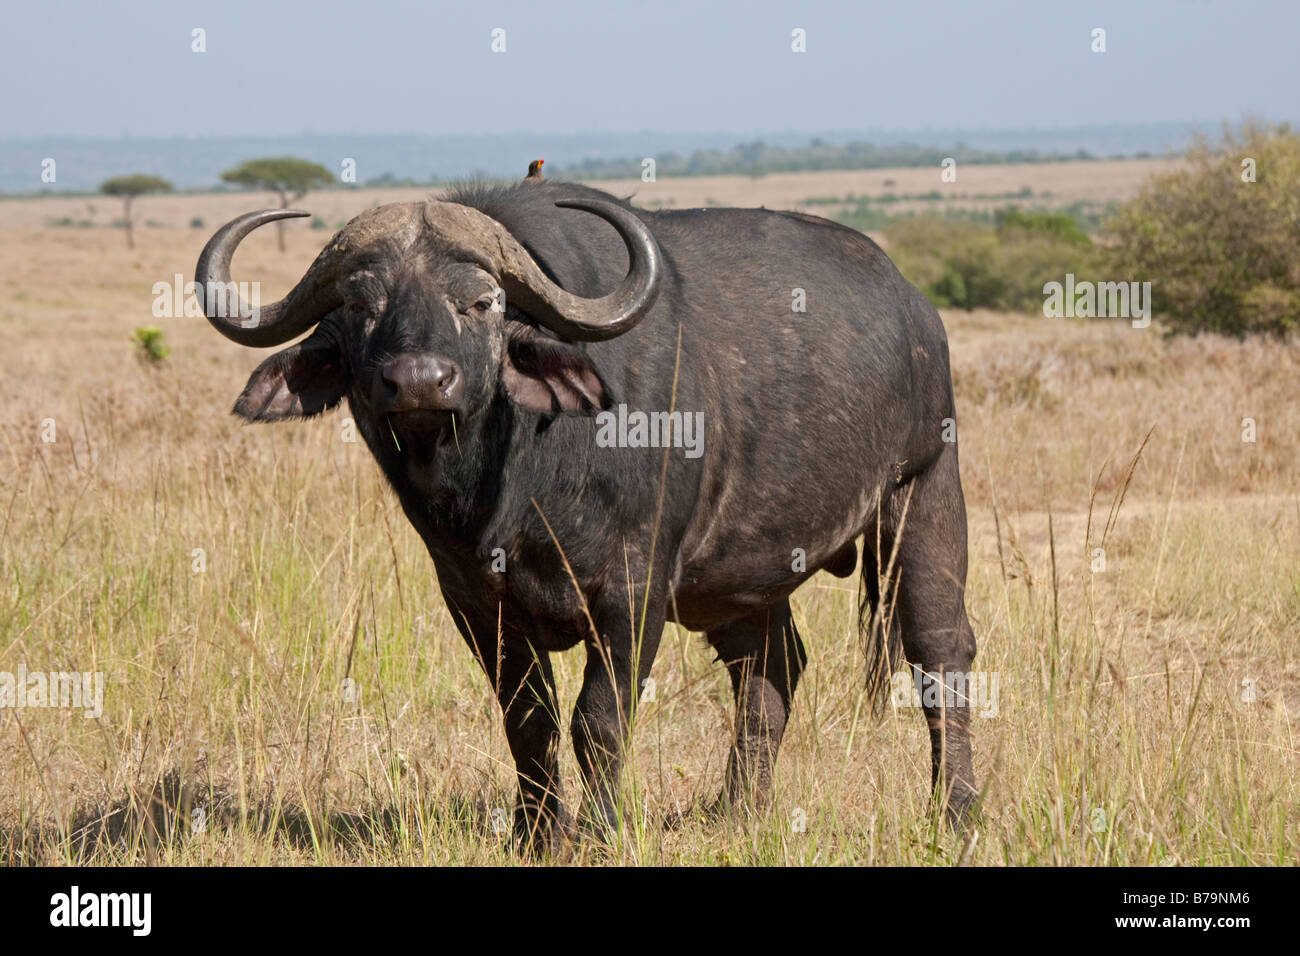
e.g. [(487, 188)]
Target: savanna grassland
[(300, 683)]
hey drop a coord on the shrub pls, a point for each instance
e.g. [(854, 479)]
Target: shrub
[(1222, 253), (149, 344), (1019, 224), (972, 265)]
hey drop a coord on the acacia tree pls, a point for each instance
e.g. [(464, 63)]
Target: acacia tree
[(286, 176), (128, 187)]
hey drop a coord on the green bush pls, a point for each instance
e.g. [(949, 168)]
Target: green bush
[(1016, 223), (973, 265), (149, 344), (1222, 253)]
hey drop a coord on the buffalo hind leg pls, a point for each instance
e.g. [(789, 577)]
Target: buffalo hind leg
[(937, 637), (764, 657)]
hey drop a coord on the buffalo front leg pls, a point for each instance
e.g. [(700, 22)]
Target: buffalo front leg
[(526, 691), (764, 656), (521, 677), (617, 666)]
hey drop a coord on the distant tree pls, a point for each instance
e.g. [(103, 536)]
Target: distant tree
[(286, 176), (128, 187), (1217, 236)]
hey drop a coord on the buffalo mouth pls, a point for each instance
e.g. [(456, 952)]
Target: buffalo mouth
[(411, 425)]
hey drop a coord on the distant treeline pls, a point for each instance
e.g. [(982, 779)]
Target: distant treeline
[(1214, 239), (752, 159), (756, 158)]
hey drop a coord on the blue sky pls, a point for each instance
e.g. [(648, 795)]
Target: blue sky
[(85, 68)]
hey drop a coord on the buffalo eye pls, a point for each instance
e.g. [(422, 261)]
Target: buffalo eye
[(483, 304)]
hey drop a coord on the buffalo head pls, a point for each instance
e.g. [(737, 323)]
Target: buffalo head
[(409, 306)]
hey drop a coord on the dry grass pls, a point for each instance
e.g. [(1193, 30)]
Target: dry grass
[(1120, 691)]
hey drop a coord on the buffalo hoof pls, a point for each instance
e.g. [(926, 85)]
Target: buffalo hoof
[(601, 825), (961, 809), (544, 834), (729, 807)]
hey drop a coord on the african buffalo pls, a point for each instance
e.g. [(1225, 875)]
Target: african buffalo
[(515, 365)]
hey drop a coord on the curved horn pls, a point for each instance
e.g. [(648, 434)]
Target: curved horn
[(568, 315), (261, 326)]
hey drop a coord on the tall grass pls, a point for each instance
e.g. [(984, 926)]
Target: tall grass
[(304, 697)]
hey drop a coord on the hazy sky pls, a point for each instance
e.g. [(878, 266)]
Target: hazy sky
[(85, 67)]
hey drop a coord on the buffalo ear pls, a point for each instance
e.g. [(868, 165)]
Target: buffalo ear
[(301, 381), (550, 376)]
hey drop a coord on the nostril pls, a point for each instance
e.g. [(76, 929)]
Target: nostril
[(446, 377), (391, 376)]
